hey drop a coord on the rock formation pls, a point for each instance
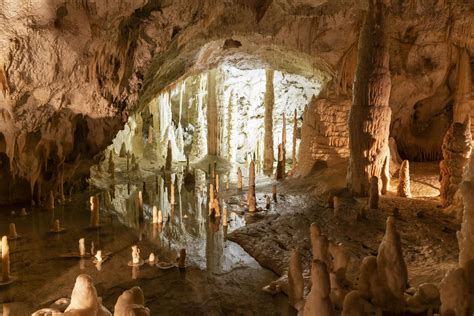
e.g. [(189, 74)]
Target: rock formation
[(369, 120), (374, 193), (131, 302), (318, 301), (212, 115), (84, 300), (403, 188), (354, 305), (268, 155), (295, 280), (454, 293)]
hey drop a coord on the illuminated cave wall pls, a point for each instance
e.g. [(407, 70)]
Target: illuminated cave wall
[(178, 115)]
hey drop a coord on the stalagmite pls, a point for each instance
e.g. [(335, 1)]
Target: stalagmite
[(295, 280), (212, 115), (225, 217), (136, 260), (354, 305), (340, 261), (369, 120), (466, 234), (84, 300), (94, 220), (169, 157), (57, 227), (23, 212), (172, 194), (217, 183), (12, 234), (181, 260), (374, 193), (251, 198), (403, 188), (239, 179), (280, 172), (318, 301), (274, 193), (454, 293), (5, 260), (82, 247), (50, 202), (123, 151), (392, 270), (141, 214), (319, 245), (131, 302), (269, 100), (98, 256), (295, 132)]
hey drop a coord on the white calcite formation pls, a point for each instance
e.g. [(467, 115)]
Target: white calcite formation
[(295, 280), (454, 293), (131, 303), (383, 279), (318, 301), (403, 188), (84, 299)]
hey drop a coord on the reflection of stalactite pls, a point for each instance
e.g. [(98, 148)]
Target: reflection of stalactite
[(269, 100), (212, 115)]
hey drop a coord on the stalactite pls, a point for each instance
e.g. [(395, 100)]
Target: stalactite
[(269, 100), (212, 114), (369, 120)]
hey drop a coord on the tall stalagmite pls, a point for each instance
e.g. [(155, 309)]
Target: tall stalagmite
[(212, 116), (369, 120), (466, 234), (269, 101), (456, 146)]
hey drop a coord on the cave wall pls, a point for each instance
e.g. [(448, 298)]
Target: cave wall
[(64, 62)]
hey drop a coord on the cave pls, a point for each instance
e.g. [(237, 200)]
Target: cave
[(239, 157)]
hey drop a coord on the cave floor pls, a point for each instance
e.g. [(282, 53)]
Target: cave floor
[(221, 277), (428, 234)]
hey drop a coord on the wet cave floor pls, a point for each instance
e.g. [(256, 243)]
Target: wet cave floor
[(222, 277)]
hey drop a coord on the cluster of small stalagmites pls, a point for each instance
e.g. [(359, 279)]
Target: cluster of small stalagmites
[(328, 276), (382, 282), (85, 302)]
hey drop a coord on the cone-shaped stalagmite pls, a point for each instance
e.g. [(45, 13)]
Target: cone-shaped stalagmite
[(369, 120), (456, 146), (5, 260), (295, 280), (454, 293), (403, 188), (269, 101), (251, 199), (318, 301), (239, 179), (212, 115)]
